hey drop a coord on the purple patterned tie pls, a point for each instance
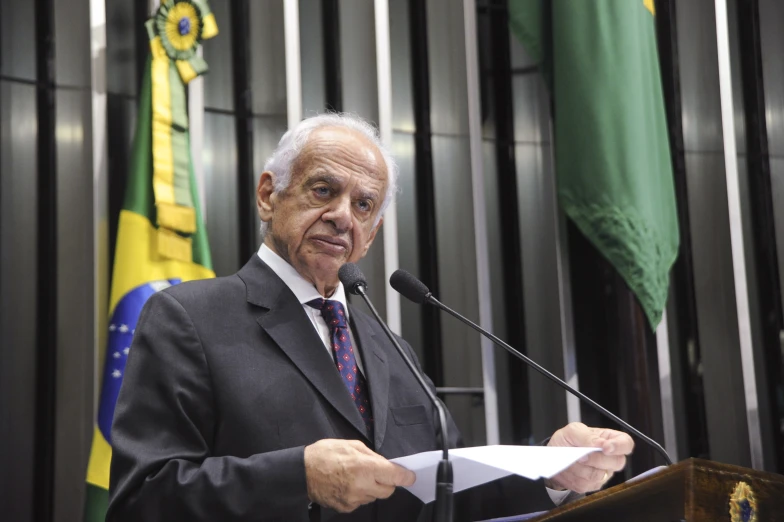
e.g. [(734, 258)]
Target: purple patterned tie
[(343, 354)]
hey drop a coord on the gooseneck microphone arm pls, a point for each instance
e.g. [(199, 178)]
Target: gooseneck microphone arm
[(413, 289), (352, 278)]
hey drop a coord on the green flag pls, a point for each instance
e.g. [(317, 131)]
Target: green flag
[(612, 152)]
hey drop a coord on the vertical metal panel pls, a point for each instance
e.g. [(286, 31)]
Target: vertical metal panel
[(777, 186), (18, 291), (736, 235), (771, 20), (480, 219), (462, 359), (267, 57), (771, 17), (121, 46), (498, 283), (75, 300), (758, 224), (358, 58), (402, 91), (699, 77), (404, 152), (716, 319), (448, 114), (712, 253), (403, 149), (17, 40), (312, 45), (538, 221), (455, 242), (688, 389), (292, 59), (220, 187), (72, 35), (219, 83), (384, 80), (531, 109), (771, 14)]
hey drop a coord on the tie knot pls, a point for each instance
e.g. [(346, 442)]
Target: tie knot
[(332, 311)]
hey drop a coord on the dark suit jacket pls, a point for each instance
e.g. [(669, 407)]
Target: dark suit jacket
[(227, 381)]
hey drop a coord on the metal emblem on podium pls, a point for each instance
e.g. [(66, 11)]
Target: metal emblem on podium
[(743, 504)]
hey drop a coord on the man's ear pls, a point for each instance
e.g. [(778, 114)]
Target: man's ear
[(372, 236), (264, 196)]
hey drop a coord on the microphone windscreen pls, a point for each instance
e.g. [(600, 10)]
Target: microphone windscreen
[(409, 286), (352, 278)]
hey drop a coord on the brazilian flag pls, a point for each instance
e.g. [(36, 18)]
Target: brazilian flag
[(161, 240), (612, 152)]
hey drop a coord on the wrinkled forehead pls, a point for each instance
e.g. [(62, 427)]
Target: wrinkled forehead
[(342, 149)]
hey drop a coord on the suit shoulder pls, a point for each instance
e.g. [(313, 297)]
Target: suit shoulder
[(211, 292)]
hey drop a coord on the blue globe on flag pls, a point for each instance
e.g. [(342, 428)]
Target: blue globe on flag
[(122, 326)]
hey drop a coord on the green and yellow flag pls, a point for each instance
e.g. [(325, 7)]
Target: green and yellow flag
[(161, 240), (612, 154)]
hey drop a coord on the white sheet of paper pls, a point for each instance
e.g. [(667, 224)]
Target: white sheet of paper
[(478, 465)]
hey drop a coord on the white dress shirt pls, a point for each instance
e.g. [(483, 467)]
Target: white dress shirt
[(305, 291)]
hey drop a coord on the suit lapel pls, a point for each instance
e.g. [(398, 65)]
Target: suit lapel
[(374, 361), (286, 323)]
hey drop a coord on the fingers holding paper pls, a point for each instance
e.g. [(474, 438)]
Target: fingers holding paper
[(592, 471)]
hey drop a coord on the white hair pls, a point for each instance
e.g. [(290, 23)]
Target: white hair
[(291, 145)]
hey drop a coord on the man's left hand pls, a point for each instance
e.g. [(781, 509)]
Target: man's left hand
[(592, 471)]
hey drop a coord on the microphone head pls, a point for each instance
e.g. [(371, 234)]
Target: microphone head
[(409, 286), (352, 278)]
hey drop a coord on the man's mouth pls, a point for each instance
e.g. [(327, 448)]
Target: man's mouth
[(331, 242)]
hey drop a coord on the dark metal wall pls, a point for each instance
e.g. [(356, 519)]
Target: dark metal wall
[(47, 269)]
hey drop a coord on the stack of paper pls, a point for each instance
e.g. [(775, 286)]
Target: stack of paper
[(474, 466)]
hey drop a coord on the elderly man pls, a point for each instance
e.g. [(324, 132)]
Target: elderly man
[(263, 396)]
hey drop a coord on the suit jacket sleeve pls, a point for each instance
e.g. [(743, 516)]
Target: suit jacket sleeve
[(165, 420), (505, 497)]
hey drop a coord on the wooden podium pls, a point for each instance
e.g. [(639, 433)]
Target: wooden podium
[(693, 490)]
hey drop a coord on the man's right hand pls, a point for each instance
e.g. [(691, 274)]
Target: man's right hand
[(344, 474)]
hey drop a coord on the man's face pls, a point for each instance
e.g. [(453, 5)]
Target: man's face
[(326, 217)]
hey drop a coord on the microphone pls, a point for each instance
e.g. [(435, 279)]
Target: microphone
[(354, 281), (412, 288)]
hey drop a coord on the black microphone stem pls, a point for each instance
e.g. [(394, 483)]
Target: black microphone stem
[(444, 480), (601, 409)]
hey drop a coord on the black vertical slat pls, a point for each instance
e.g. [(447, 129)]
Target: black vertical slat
[(425, 189), (333, 90), (46, 338), (683, 270), (141, 13), (761, 207), (511, 247), (243, 103)]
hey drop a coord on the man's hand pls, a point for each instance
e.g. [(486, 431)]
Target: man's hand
[(344, 474), (592, 471)]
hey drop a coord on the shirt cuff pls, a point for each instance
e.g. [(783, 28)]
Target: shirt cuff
[(557, 496)]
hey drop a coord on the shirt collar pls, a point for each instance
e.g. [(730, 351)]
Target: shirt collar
[(302, 288)]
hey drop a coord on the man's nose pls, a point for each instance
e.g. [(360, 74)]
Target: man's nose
[(340, 213)]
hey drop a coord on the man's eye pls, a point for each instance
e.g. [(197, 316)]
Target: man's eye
[(322, 191), (364, 205)]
